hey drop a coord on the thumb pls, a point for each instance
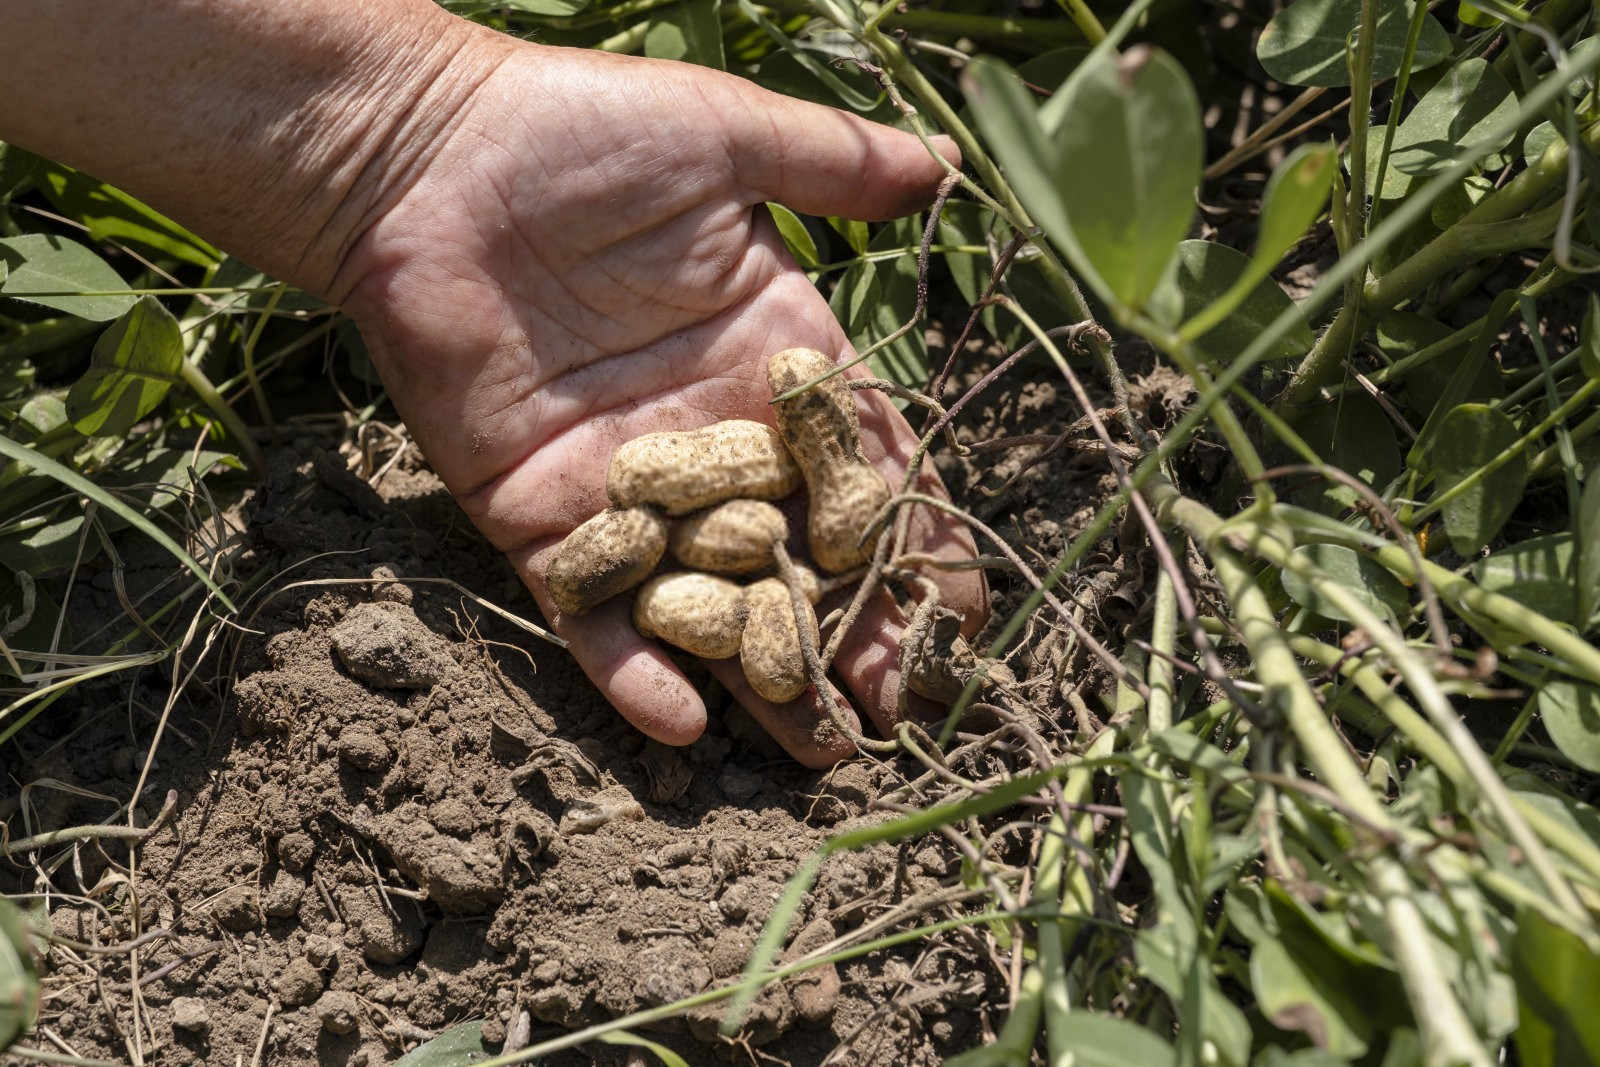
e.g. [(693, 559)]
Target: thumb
[(822, 161)]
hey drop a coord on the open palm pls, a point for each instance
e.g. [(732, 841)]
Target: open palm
[(582, 259)]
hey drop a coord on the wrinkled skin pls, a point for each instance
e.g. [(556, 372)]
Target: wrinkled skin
[(581, 257)]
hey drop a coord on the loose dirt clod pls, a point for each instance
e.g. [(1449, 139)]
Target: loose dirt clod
[(384, 644)]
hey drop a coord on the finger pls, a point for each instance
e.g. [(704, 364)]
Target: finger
[(635, 675), (805, 733), (823, 161)]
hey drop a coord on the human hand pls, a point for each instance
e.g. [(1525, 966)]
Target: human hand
[(581, 257)]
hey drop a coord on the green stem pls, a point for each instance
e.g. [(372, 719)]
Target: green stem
[(1433, 1003), (33, 338), (1084, 19), (202, 387), (1361, 112), (1163, 639), (1001, 29), (1248, 537), (1320, 364), (1463, 243)]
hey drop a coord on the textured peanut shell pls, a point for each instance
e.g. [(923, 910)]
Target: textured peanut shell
[(699, 613), (731, 538), (770, 652), (823, 432), (609, 554), (686, 470)]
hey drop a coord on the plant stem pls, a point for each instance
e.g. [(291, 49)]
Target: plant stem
[(196, 380), (1361, 113), (1084, 19)]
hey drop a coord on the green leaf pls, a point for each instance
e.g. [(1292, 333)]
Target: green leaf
[(1536, 140), (27, 457), (1571, 712), (133, 365), (1310, 993), (1469, 437), (1370, 583), (1588, 526), (19, 981), (662, 1052), (854, 232), (1557, 976), (796, 236), (1589, 339), (1295, 195), (1458, 116), (43, 263), (873, 300), (1357, 437), (553, 8), (1108, 168), (1536, 573), (1304, 44), (1209, 272), (458, 1046), (1096, 1040), (113, 215), (690, 31), (18, 168)]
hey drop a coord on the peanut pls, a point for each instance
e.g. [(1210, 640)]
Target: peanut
[(610, 553), (699, 613), (731, 538), (686, 470), (823, 432), (770, 651)]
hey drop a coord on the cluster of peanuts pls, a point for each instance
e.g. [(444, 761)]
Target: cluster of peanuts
[(705, 495)]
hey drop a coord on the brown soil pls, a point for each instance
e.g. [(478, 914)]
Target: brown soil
[(395, 812)]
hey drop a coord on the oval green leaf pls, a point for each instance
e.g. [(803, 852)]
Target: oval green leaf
[(1295, 196), (1589, 339), (1304, 44), (49, 270), (113, 215), (1589, 554), (458, 1046), (1536, 573), (1375, 587), (1310, 994), (1127, 159), (1358, 438), (690, 31), (1556, 976), (1469, 437), (1459, 116), (19, 981), (1108, 168), (1209, 272), (795, 236), (133, 365), (1571, 713)]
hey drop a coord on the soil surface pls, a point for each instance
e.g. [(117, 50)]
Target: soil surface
[(391, 811)]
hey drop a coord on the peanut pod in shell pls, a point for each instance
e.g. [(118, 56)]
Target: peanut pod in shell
[(823, 432), (686, 470), (731, 538), (770, 651), (609, 554), (700, 613)]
